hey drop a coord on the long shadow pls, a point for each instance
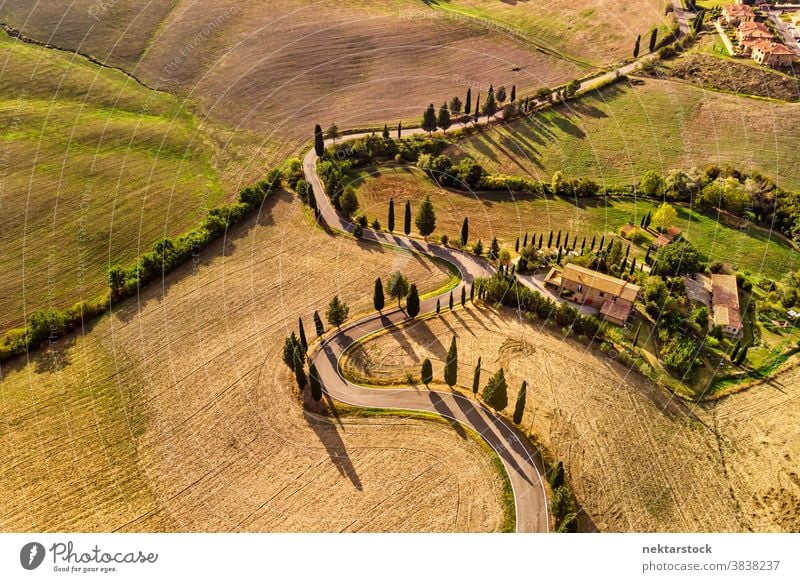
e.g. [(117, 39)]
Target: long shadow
[(471, 411), (329, 437), (444, 410)]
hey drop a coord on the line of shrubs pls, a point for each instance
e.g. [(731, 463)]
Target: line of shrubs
[(47, 325)]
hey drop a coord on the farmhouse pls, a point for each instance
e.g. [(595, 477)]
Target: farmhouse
[(772, 54), (734, 14), (614, 297), (749, 31), (725, 305)]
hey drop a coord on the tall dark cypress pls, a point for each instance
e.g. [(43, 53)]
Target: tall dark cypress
[(451, 364), (463, 296), (550, 240), (451, 301), (391, 215), (378, 300), (477, 107), (399, 130), (303, 342), (319, 141), (513, 93), (465, 232), (591, 248), (516, 246), (314, 382), (468, 104), (407, 219), (320, 329), (525, 241)]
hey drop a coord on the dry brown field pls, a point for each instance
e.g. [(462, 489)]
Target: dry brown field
[(177, 414), (637, 458)]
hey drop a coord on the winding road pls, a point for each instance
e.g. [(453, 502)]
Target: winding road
[(530, 498)]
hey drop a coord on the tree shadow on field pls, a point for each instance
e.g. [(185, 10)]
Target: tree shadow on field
[(328, 435)]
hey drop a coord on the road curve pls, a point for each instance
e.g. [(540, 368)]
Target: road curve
[(530, 498)]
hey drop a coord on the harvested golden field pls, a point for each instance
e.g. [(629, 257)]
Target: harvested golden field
[(177, 413), (615, 135), (638, 459), (600, 32)]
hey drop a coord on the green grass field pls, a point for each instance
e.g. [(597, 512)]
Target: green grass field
[(618, 133), (506, 217), (95, 169)]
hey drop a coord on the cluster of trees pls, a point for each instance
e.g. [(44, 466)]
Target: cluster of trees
[(562, 502), (397, 288)]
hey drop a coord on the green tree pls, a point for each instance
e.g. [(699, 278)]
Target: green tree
[(117, 278), (319, 141), (320, 329), (463, 296), (314, 382), (303, 342), (490, 107), (451, 363), (636, 47), (501, 94), (665, 216), (478, 248), (477, 107), (412, 302), (443, 120), (429, 119), (451, 301), (399, 130), (378, 300), (337, 312), (397, 286), (349, 201), (438, 306), (391, 215), (494, 250), (333, 132), (550, 240), (476, 377), (291, 346), (513, 93), (385, 131), (426, 217), (468, 102), (652, 184), (455, 105), (299, 371), (495, 394), (427, 372), (653, 39), (519, 409), (464, 232), (407, 219)]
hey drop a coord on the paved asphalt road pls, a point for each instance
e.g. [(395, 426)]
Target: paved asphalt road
[(530, 498)]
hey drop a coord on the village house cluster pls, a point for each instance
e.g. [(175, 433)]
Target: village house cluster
[(755, 39)]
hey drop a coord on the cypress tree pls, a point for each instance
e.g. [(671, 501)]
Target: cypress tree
[(391, 215), (636, 46), (591, 248), (623, 266), (378, 300), (550, 240), (558, 239), (303, 342), (427, 372), (628, 251), (468, 104), (490, 107), (558, 260), (429, 119), (516, 246), (438, 306), (443, 120), (412, 302), (463, 296), (472, 292), (477, 107), (299, 371), (574, 242), (291, 347), (451, 301), (513, 93), (647, 254), (583, 245), (566, 241), (407, 219), (494, 250), (735, 351), (426, 217), (314, 382), (742, 355), (633, 266), (541, 237), (399, 130), (495, 394), (320, 329), (465, 232), (519, 409), (653, 38), (385, 131), (602, 242), (451, 364), (319, 141), (476, 377), (525, 241)]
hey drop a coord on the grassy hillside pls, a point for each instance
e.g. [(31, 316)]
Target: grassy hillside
[(507, 217), (95, 168), (618, 133)]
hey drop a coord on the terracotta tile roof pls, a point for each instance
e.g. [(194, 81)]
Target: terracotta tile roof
[(751, 26), (661, 241), (738, 10), (600, 281), (725, 301), (619, 310), (772, 48)]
